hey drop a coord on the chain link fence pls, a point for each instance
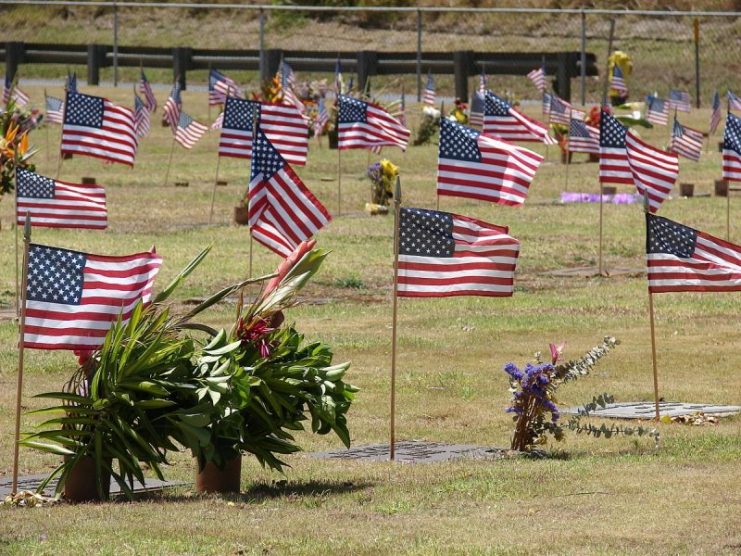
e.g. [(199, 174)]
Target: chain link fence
[(661, 45)]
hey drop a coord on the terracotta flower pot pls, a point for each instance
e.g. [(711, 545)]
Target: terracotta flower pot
[(224, 481), (687, 189), (241, 216), (81, 485), (721, 188)]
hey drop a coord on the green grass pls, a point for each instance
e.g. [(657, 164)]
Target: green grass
[(597, 497)]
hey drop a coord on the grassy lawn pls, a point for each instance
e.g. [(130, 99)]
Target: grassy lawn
[(590, 497)]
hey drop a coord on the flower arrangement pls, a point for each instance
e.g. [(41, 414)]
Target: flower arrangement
[(15, 125), (428, 126), (383, 178), (625, 63), (534, 402), (459, 114)]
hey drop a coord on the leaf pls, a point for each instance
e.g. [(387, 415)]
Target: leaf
[(190, 267)]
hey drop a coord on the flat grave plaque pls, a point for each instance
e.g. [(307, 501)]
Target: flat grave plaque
[(31, 482), (414, 451), (647, 410)]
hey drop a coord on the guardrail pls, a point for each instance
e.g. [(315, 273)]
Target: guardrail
[(365, 63)]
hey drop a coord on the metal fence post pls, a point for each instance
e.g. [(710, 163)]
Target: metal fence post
[(419, 55), (14, 54), (696, 25), (583, 62), (262, 44), (115, 43)]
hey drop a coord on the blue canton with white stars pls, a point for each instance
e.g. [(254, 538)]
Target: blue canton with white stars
[(239, 114), (352, 110), (578, 129), (657, 105), (184, 120), (558, 106), (426, 233), (138, 104), (175, 94), (495, 106), (53, 104), (84, 110), (611, 132), (265, 159), (458, 142), (55, 275), (213, 78), (33, 185), (665, 236), (678, 130), (732, 134)]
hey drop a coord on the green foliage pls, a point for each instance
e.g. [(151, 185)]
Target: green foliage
[(575, 423)]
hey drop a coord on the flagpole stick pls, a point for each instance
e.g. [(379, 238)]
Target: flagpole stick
[(568, 153), (47, 128), (209, 100), (397, 213), (339, 180), (213, 194), (169, 161), (653, 353), (19, 390), (728, 211), (15, 225), (601, 210)]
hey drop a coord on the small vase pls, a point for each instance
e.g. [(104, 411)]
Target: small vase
[(212, 479), (721, 188), (332, 138), (241, 216), (81, 485)]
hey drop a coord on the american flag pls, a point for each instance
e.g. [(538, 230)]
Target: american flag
[(322, 117), (287, 130), (547, 103), (682, 259), (732, 149), (504, 122), (443, 254), (613, 158), (365, 125), (219, 86), (12, 91), (403, 109), (73, 298), (287, 75), (282, 210), (482, 82), (478, 167), (734, 102), (477, 108), (57, 204), (618, 81), (71, 85), (679, 100), (189, 131), (150, 101), (428, 96), (173, 106), (658, 111), (537, 76), (94, 126), (338, 77), (142, 120), (54, 110), (287, 82), (715, 117), (686, 141), (583, 138), (654, 171), (560, 110), (236, 131)]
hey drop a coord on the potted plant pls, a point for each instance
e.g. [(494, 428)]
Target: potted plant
[(241, 212)]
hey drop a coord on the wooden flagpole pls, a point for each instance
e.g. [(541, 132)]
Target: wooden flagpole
[(542, 102), (600, 269), (605, 86), (568, 153), (46, 126), (19, 390), (397, 213), (15, 226), (213, 193), (209, 99), (653, 353), (339, 177), (169, 160), (728, 211)]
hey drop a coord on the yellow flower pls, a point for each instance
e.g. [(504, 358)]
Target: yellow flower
[(389, 168)]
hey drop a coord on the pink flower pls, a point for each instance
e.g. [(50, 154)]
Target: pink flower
[(288, 263), (556, 351)]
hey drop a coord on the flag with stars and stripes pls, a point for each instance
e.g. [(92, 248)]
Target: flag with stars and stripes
[(428, 95), (546, 103), (658, 111), (188, 131), (618, 81), (682, 259), (71, 84), (283, 212), (613, 157), (686, 141), (679, 100), (364, 125), (537, 76), (238, 121), (54, 110), (173, 106), (583, 138), (482, 82), (94, 126), (478, 167), (220, 86), (504, 122), (142, 119), (12, 91), (145, 88), (443, 254), (734, 102), (57, 204), (654, 171), (715, 115), (287, 131), (732, 148), (322, 117), (73, 298), (476, 110), (560, 111)]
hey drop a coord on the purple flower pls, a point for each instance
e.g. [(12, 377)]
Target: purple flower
[(512, 370)]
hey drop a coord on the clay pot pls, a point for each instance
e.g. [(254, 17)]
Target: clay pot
[(212, 479), (609, 190), (81, 485), (241, 216), (721, 188), (332, 138), (687, 189)]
